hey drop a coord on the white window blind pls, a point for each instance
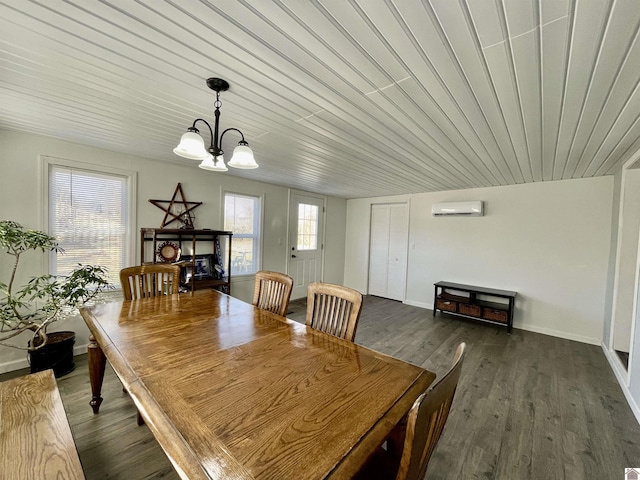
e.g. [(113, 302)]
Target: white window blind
[(88, 216), (242, 217)]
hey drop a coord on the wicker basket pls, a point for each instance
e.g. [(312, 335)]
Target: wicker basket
[(495, 315), (469, 309), (446, 305)]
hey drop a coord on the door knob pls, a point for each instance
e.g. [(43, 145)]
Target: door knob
[(293, 256)]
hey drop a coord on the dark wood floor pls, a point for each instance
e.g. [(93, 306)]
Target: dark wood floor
[(529, 406)]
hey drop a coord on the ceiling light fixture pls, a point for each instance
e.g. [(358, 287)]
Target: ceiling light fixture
[(191, 144)]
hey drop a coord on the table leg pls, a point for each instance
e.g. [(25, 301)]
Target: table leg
[(511, 307), (97, 362), (435, 295), (395, 442)]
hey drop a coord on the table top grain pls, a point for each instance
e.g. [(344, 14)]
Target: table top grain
[(35, 437), (231, 391)]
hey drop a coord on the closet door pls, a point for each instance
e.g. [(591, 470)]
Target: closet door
[(388, 250)]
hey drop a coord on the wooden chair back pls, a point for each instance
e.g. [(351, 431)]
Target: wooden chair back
[(334, 309), (426, 421), (149, 280), (272, 292)]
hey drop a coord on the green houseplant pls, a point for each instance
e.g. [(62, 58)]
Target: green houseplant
[(44, 299)]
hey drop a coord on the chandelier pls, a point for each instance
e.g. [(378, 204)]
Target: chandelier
[(191, 144)]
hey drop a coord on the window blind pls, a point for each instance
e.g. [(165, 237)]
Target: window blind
[(88, 217), (242, 217)]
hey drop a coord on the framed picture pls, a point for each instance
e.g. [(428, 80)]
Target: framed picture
[(204, 267)]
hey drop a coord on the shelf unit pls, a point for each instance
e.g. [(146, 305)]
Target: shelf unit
[(221, 254), (475, 302)]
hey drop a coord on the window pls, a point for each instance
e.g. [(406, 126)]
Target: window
[(242, 217), (89, 214), (307, 226)]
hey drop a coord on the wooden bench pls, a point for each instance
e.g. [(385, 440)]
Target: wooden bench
[(35, 437)]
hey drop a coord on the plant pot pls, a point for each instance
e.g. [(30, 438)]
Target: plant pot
[(57, 354)]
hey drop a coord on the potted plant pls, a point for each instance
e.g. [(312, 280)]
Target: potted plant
[(43, 300)]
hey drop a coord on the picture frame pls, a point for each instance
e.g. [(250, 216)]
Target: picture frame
[(204, 267)]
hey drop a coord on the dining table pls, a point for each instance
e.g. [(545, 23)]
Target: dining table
[(231, 391)]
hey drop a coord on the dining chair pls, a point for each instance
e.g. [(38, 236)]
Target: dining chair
[(333, 309), (413, 441), (272, 292), (149, 280)]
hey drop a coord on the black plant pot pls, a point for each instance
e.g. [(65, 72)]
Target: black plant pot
[(57, 354)]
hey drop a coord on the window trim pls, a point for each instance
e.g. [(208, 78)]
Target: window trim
[(131, 181), (260, 223)]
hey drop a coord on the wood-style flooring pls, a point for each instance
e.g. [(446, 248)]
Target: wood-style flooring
[(528, 406)]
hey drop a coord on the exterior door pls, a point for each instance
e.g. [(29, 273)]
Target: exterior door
[(306, 223), (388, 250)]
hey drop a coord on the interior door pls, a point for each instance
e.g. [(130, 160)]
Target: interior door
[(388, 250), (306, 223)]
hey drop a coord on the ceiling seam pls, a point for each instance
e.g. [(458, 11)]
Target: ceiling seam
[(499, 179), (408, 97), (621, 66), (613, 124), (491, 84), (304, 86), (592, 72), (502, 15), (408, 156), (540, 59), (568, 57)]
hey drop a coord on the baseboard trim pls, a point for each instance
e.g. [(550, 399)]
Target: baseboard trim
[(21, 363), (529, 328), (560, 334), (620, 374), (428, 306)]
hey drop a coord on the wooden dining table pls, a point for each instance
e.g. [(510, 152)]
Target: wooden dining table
[(231, 391)]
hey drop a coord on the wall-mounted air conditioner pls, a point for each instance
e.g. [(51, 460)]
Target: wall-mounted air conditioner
[(470, 209)]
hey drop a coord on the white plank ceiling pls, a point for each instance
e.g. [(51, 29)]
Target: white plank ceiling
[(352, 98)]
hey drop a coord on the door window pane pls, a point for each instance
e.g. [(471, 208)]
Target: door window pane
[(307, 227)]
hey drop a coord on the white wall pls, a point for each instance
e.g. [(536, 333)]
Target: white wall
[(20, 200), (334, 243), (548, 241)]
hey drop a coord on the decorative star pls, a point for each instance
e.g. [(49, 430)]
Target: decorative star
[(183, 215)]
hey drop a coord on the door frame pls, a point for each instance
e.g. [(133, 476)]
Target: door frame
[(290, 193), (407, 204), (617, 366)]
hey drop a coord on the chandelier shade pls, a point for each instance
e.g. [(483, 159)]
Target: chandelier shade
[(192, 146), (243, 157), (216, 165)]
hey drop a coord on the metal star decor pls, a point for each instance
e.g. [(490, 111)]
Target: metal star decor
[(184, 216)]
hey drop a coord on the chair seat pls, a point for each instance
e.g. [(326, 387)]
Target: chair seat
[(414, 439)]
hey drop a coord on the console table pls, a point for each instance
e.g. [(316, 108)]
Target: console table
[(478, 303), (216, 266)]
